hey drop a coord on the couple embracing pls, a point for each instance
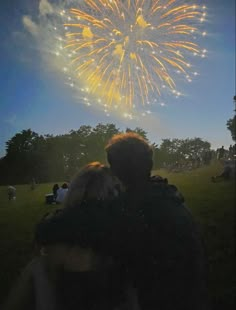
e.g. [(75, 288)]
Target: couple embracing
[(122, 241)]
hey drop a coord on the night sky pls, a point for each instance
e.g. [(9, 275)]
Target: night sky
[(34, 95)]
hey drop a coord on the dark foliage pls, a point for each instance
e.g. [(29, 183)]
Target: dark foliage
[(51, 158)]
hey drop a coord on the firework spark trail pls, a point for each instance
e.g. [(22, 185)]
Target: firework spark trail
[(126, 52)]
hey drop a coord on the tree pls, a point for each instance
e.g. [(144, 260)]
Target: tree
[(173, 150), (5, 178), (169, 151), (77, 149), (139, 131), (193, 147), (54, 157), (86, 145), (102, 133), (51, 158), (231, 126), (23, 157)]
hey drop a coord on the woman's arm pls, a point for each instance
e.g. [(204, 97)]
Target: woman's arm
[(21, 296), (35, 288)]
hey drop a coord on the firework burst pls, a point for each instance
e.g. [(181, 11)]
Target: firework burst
[(124, 53)]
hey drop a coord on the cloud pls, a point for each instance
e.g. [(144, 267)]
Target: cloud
[(30, 25), (45, 8)]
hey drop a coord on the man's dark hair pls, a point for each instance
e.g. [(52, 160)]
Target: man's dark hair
[(130, 157)]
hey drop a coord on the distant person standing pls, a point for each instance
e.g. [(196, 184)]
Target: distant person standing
[(61, 193), (11, 192), (221, 153)]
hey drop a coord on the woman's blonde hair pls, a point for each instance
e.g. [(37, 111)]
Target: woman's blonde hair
[(93, 182)]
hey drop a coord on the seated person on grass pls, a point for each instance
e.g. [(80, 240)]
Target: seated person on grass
[(228, 172)]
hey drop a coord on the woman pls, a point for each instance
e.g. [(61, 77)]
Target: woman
[(76, 269)]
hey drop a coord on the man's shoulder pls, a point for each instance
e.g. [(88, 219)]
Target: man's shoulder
[(165, 209), (159, 188)]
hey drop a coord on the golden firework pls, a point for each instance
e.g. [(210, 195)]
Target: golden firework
[(125, 51)]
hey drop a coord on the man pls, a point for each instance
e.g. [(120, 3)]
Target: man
[(159, 242)]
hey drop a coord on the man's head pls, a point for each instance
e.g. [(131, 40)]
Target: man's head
[(130, 158)]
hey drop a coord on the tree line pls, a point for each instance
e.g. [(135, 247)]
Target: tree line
[(49, 158)]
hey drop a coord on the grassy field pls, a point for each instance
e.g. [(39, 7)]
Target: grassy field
[(211, 203)]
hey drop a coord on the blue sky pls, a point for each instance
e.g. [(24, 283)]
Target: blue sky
[(34, 95)]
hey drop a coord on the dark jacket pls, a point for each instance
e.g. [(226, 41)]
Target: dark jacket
[(163, 249)]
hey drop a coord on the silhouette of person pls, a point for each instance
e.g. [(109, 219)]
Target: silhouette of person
[(160, 243)]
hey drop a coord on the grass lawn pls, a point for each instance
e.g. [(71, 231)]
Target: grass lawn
[(211, 203)]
